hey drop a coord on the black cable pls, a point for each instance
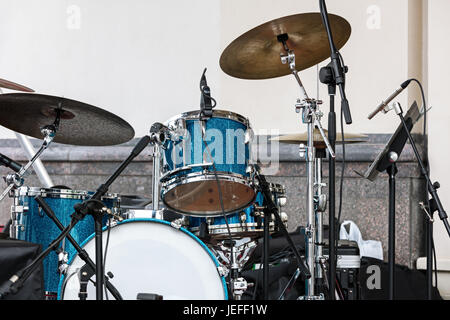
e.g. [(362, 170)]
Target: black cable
[(341, 183), (219, 189)]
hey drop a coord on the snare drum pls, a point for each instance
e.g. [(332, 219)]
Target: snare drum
[(152, 256), (30, 223), (189, 184), (245, 223)]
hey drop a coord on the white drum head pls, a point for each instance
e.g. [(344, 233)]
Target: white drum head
[(150, 256)]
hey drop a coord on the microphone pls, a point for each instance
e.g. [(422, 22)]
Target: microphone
[(7, 162), (145, 140), (336, 64), (383, 104), (205, 98)]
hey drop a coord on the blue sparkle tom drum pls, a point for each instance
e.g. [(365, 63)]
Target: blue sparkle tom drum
[(30, 223), (211, 149), (244, 223)]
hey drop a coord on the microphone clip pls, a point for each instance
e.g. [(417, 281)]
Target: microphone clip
[(206, 106)]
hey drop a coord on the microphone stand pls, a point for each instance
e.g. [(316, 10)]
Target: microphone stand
[(339, 70), (98, 215), (81, 252), (91, 206), (17, 280), (435, 202), (334, 74), (326, 77)]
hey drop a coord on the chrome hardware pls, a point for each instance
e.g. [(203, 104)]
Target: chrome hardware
[(176, 224), (422, 206), (302, 151)]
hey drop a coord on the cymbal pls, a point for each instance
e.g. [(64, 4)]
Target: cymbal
[(80, 123), (14, 86), (256, 53), (298, 138)]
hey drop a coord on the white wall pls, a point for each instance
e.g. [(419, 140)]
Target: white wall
[(142, 60), (439, 116)]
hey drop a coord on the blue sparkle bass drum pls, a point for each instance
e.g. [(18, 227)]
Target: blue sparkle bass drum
[(150, 256), (210, 152)]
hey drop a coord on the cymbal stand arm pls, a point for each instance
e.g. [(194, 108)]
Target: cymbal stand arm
[(15, 180)]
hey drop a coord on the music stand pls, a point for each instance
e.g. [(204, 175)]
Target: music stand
[(386, 161)]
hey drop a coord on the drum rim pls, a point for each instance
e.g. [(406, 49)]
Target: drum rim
[(63, 193), (219, 229), (152, 220), (202, 176), (223, 114)]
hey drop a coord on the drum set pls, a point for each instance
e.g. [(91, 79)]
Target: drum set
[(210, 201)]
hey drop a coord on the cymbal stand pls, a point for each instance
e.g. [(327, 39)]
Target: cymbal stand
[(15, 180), (320, 207), (308, 107), (156, 212)]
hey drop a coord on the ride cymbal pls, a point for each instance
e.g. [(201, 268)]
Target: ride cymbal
[(14, 86), (80, 123), (297, 138), (256, 53)]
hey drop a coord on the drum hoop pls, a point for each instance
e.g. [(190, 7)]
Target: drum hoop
[(193, 236), (194, 115), (202, 176), (59, 193), (234, 227)]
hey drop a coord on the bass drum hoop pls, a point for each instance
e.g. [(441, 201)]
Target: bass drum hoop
[(62, 282)]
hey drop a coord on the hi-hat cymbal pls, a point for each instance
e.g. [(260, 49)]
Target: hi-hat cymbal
[(297, 138), (14, 86), (80, 123), (256, 53)]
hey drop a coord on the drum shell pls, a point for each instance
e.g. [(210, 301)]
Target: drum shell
[(231, 154), (243, 223), (225, 140), (32, 224)]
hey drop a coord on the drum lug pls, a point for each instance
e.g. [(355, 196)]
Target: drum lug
[(63, 258), (249, 135), (112, 222), (19, 209), (176, 224), (221, 271)]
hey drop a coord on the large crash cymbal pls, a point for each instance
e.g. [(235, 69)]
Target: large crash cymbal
[(297, 138), (14, 86), (256, 53), (80, 123)]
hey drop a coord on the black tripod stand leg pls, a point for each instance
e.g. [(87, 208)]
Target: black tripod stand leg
[(392, 171), (99, 272), (429, 250)]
